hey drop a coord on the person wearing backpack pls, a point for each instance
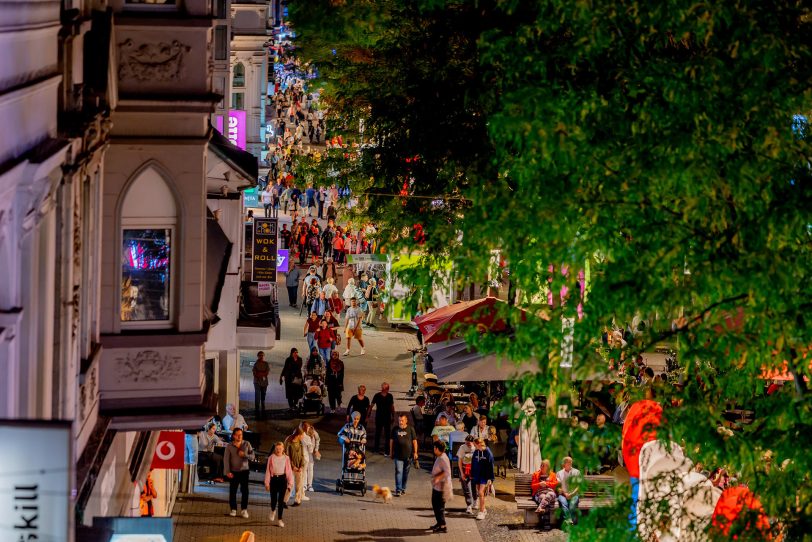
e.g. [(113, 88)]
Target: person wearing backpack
[(313, 243)]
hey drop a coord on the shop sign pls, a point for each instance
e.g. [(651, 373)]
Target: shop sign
[(264, 289), (250, 198), (169, 452), (237, 124), (35, 476), (264, 250), (282, 260)]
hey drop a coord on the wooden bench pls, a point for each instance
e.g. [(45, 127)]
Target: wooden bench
[(598, 491)]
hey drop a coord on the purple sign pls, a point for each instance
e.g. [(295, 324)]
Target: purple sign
[(282, 260), (236, 127)]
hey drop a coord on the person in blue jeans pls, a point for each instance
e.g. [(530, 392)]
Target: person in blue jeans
[(568, 491), (403, 449)]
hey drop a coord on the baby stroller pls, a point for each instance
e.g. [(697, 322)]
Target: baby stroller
[(312, 403), (353, 469)]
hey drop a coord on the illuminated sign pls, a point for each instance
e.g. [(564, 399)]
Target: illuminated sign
[(237, 127), (264, 250), (35, 476)]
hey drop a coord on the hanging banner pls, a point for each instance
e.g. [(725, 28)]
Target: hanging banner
[(35, 476), (237, 127), (264, 250), (169, 452)]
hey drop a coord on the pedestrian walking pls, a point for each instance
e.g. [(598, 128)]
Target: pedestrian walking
[(311, 325), (292, 283), (311, 442), (482, 467), (329, 288), (295, 451), (360, 404), (465, 455), (349, 291), (325, 338), (260, 370), (402, 450), (353, 321), (384, 404), (267, 200), (278, 481), (320, 304), (335, 381), (292, 375), (441, 490), (235, 466)]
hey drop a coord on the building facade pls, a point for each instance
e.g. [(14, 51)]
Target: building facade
[(251, 37), (118, 230)]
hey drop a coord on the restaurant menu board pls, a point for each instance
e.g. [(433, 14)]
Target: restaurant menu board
[(264, 250)]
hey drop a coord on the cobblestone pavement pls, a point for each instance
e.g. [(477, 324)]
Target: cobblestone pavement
[(328, 516)]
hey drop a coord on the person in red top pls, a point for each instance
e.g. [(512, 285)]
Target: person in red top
[(542, 487), (324, 339), (338, 247)]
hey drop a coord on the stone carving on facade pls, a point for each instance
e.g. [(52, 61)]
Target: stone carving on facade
[(82, 402), (154, 62), (148, 366)]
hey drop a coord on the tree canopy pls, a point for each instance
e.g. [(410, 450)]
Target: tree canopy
[(661, 147)]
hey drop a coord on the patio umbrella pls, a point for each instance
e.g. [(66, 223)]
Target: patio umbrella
[(659, 500), (455, 361), (529, 450), (437, 325)]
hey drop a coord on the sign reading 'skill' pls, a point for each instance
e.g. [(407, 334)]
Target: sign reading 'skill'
[(264, 253)]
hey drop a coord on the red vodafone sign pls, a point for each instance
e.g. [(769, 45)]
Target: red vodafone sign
[(169, 450)]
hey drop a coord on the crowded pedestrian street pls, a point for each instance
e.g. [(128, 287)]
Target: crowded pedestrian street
[(407, 270)]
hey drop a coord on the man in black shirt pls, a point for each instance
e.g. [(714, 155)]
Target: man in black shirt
[(403, 449), (360, 404), (384, 415)]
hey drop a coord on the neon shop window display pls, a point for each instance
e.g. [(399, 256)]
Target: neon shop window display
[(146, 275)]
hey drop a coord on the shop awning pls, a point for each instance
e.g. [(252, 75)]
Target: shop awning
[(482, 313), (218, 252), (242, 161), (456, 361)]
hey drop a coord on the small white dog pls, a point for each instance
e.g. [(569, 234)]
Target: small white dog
[(383, 492)]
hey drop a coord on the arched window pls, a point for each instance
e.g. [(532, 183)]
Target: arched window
[(239, 75), (149, 221)]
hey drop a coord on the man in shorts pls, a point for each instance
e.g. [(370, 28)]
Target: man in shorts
[(354, 318)]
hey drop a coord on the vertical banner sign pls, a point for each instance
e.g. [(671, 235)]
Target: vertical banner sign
[(237, 127), (169, 452), (264, 250), (35, 474)]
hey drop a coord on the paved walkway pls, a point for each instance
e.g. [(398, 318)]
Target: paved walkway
[(203, 516)]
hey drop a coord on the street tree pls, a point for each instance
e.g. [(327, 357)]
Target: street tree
[(640, 168)]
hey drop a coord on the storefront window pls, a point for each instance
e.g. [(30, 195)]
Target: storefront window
[(145, 275)]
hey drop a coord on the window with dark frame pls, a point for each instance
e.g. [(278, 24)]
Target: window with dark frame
[(146, 275)]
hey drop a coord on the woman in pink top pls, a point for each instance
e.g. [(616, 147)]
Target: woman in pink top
[(278, 480)]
